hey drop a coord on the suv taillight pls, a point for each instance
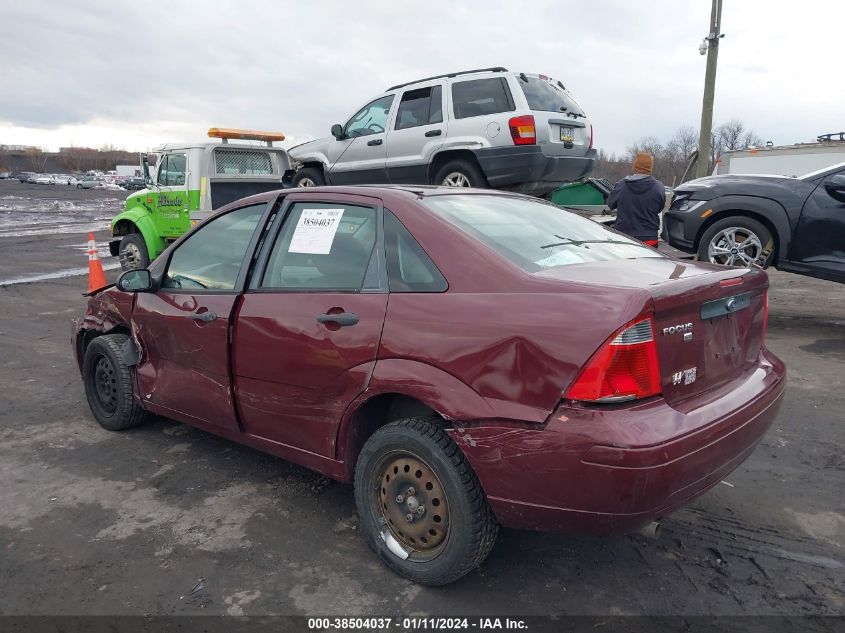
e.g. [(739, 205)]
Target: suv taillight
[(624, 368), (523, 130)]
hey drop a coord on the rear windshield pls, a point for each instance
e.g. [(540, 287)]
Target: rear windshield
[(534, 235), (547, 96), (243, 162)]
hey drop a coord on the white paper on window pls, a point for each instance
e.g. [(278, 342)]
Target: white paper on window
[(315, 231)]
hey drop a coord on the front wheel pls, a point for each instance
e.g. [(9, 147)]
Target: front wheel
[(737, 241), (421, 505), (308, 177), (108, 384), (133, 252)]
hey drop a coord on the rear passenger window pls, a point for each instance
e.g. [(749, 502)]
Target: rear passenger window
[(481, 96), (420, 107), (322, 246), (409, 269)]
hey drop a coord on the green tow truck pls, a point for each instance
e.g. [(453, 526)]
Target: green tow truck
[(188, 182)]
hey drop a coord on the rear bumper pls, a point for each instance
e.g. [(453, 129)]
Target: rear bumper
[(525, 168), (611, 471)]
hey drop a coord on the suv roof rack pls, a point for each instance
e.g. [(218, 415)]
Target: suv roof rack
[(494, 69)]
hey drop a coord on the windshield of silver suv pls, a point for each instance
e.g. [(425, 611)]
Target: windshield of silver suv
[(534, 235), (546, 96)]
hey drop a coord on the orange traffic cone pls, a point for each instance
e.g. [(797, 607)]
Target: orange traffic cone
[(96, 276)]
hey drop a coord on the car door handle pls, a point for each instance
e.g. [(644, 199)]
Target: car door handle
[(343, 319), (434, 133), (375, 141), (206, 317)]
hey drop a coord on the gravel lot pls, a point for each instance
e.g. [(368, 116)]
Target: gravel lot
[(167, 520)]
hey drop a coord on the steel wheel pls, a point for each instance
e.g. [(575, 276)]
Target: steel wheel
[(130, 257), (105, 383), (455, 179), (306, 182), (413, 504), (736, 246)]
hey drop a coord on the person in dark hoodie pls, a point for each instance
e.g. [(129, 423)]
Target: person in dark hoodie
[(638, 200)]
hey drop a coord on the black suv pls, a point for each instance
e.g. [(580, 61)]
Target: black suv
[(793, 224)]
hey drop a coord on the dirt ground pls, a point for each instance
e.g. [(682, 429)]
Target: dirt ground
[(166, 519)]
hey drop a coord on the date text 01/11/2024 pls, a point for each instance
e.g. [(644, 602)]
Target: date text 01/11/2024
[(415, 623)]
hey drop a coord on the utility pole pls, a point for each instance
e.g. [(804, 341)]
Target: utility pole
[(711, 42)]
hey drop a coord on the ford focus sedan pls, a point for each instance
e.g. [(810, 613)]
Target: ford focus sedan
[(468, 359)]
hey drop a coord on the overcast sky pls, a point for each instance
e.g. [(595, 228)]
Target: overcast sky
[(141, 73)]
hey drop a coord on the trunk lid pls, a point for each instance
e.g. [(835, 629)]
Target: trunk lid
[(710, 332)]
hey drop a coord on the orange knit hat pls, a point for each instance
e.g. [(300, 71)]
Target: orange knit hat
[(643, 163)]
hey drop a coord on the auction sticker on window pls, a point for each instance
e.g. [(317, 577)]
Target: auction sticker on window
[(315, 231)]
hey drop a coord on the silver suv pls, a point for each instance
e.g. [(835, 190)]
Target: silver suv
[(478, 128)]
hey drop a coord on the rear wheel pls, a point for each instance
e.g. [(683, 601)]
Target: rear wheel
[(308, 177), (460, 173), (108, 384), (737, 241), (420, 503), (133, 252)]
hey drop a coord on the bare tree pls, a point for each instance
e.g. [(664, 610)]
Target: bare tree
[(38, 159), (731, 135), (671, 159)]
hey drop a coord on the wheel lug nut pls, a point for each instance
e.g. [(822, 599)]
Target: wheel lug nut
[(399, 498), (409, 517), (411, 490), (421, 510)]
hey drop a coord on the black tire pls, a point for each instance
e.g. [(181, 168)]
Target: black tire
[(79, 186), (469, 526), (758, 249), (469, 170), (133, 252), (309, 177), (108, 384)]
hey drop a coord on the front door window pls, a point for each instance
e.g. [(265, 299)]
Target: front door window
[(371, 119), (210, 259)]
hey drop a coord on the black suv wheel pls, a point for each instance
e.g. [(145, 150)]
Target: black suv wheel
[(737, 241)]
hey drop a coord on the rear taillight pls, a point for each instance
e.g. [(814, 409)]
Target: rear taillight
[(523, 130), (590, 146), (624, 368)]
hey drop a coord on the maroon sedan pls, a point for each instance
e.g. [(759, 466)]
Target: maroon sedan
[(467, 358)]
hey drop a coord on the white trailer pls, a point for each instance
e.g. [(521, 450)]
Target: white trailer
[(785, 160), (129, 171)]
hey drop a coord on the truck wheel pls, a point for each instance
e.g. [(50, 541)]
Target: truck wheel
[(421, 505), (737, 241), (79, 186), (460, 173), (108, 384), (308, 177), (133, 252)]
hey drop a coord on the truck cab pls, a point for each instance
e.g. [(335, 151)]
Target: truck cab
[(186, 183)]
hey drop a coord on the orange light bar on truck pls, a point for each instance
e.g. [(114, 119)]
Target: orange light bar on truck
[(245, 135)]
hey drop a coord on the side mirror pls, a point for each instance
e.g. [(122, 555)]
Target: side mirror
[(835, 187), (337, 131), (139, 280), (145, 168)]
